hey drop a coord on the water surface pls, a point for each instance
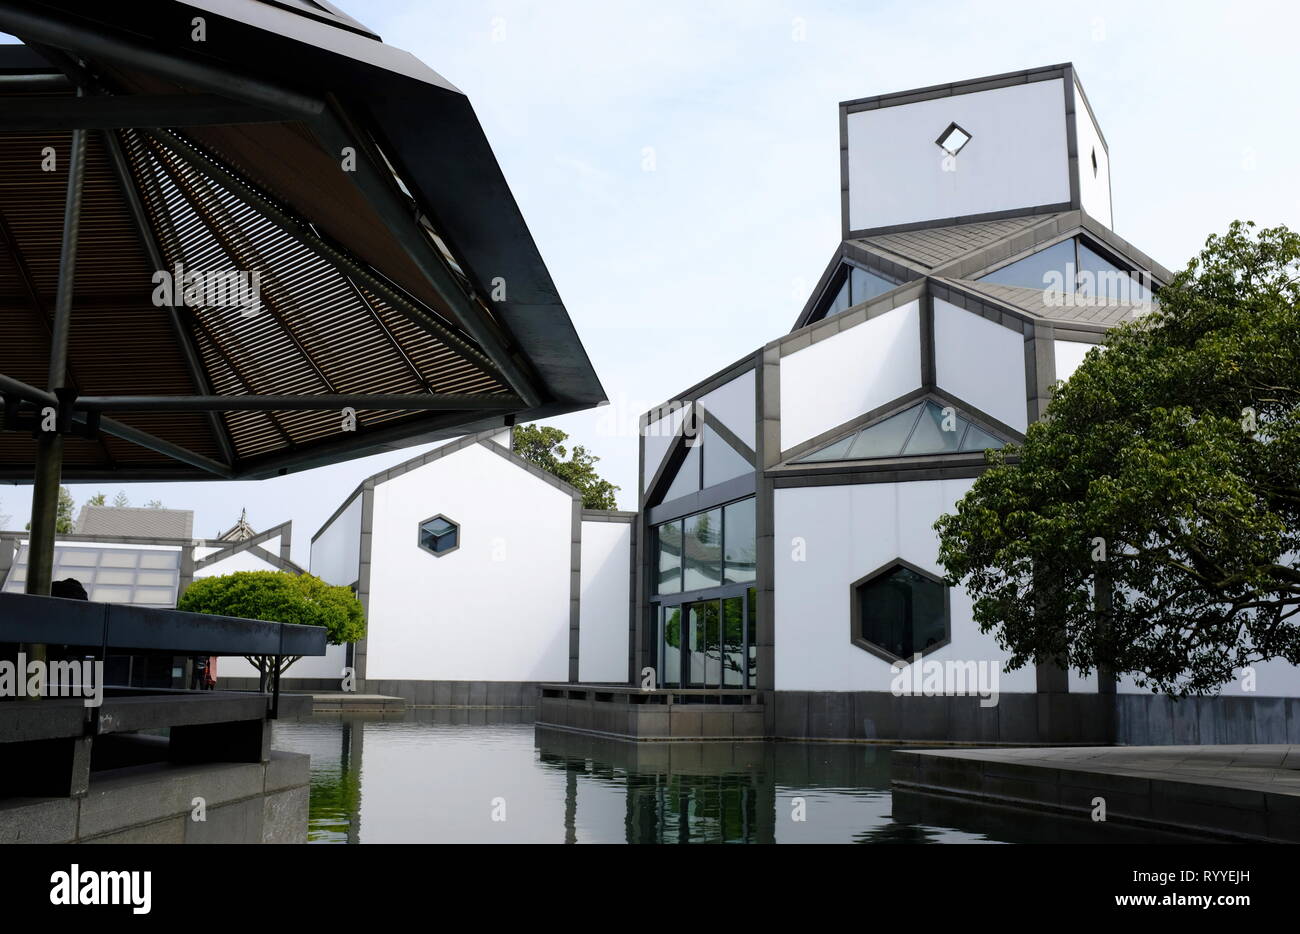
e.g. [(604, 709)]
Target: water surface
[(488, 776)]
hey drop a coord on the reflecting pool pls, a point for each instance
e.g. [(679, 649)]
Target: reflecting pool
[(445, 775)]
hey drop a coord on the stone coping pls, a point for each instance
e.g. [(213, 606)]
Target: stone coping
[(1241, 792)]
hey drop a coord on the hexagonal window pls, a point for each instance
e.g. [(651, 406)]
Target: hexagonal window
[(439, 535), (900, 611)]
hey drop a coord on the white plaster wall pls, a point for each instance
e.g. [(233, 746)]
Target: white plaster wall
[(1016, 157), (604, 614), (848, 532), (335, 555), (838, 378), (241, 561), (502, 438), (1069, 354), (496, 608), (658, 436), (1094, 190), (981, 362), (1275, 678), (733, 404)]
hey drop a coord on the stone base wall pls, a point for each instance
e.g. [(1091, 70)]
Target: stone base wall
[(1153, 720), (415, 693), (246, 802)]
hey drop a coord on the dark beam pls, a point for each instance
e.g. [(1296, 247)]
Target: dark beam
[(40, 114), (184, 339), (96, 42), (398, 215), (318, 245), (174, 451), (433, 402), (35, 82)]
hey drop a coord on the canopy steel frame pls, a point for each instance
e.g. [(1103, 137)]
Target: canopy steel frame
[(436, 402), (135, 110)]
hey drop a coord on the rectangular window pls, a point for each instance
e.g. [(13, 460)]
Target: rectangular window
[(740, 551), (702, 550), (669, 536)]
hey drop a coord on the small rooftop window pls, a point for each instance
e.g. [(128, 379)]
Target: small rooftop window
[(953, 139)]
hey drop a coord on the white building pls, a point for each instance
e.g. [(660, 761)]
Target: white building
[(788, 502), (481, 575)]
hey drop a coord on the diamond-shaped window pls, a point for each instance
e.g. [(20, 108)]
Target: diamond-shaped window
[(953, 139), (439, 535)]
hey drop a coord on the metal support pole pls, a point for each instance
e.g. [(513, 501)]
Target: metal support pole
[(49, 447)]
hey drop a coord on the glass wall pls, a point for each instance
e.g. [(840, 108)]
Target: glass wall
[(707, 549)]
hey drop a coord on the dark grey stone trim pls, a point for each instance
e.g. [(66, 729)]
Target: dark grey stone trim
[(229, 549), (607, 515), (702, 388), (954, 88), (358, 648), (1040, 368), (855, 612), (1026, 211), (1072, 140), (543, 475), (1010, 317), (929, 365), (985, 421), (768, 410), (821, 330), (853, 424), (674, 455), (1012, 249), (633, 578), (847, 475), (717, 495), (859, 255), (186, 572), (575, 588), (1095, 334), (728, 436), (407, 466)]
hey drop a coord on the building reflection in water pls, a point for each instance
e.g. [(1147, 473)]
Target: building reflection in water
[(435, 775)]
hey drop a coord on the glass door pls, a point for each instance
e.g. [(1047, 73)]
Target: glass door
[(708, 643)]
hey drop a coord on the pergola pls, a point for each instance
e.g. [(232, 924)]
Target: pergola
[(351, 272)]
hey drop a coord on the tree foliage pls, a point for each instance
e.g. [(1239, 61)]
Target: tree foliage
[(544, 446), (63, 517), (1165, 479), (279, 597)]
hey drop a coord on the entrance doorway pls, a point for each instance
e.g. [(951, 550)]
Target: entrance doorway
[(708, 643)]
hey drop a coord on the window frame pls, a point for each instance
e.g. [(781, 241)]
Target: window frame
[(855, 611), (419, 535)]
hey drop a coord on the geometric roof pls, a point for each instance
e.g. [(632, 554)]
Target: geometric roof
[(343, 178), (134, 522), (930, 247)]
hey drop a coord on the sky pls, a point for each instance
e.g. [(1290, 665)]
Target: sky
[(677, 164)]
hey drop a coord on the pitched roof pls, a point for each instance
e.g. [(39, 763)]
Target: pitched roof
[(935, 246), (1034, 302), (135, 521)]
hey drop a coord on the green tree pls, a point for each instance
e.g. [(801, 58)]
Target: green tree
[(1150, 525), (544, 446), (96, 500), (120, 499), (63, 517), (279, 597)]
